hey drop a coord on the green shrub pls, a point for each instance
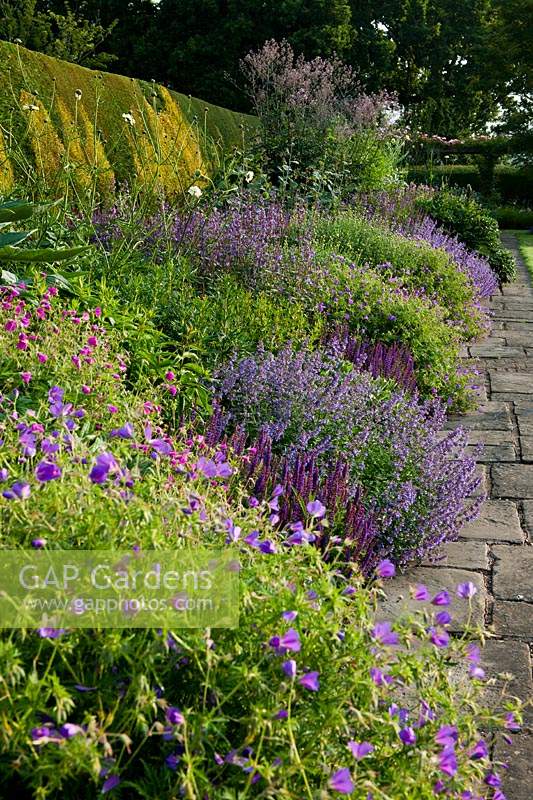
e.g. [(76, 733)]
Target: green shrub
[(514, 184), (474, 225), (419, 266), (513, 217)]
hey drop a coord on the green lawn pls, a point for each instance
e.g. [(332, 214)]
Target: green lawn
[(525, 243)]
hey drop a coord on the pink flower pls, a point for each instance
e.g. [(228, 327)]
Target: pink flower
[(26, 377), (42, 358)]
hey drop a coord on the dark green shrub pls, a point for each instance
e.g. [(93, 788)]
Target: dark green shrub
[(513, 217), (474, 225), (511, 183)]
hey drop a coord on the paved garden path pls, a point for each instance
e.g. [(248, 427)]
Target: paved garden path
[(495, 552)]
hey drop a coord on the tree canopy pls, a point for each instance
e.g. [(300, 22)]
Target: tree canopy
[(454, 66)]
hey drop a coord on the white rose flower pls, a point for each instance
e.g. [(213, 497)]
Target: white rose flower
[(195, 191)]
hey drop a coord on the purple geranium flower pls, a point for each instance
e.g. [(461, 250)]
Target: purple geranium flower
[(174, 716), (316, 509), (466, 590), (47, 471), (125, 432), (441, 599), (446, 735), (310, 681), (341, 781), (386, 569), (110, 784), (289, 668), (382, 632), (407, 736), (360, 749), (479, 751), (19, 491), (448, 761)]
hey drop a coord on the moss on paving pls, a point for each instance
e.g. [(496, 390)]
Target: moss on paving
[(47, 127)]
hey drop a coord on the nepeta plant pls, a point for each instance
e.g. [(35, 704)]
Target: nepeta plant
[(415, 484)]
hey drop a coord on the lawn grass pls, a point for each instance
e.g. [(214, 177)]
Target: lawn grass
[(525, 245)]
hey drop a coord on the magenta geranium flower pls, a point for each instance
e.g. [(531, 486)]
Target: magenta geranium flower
[(341, 781)]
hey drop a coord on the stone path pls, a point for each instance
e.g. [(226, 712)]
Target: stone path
[(495, 552)]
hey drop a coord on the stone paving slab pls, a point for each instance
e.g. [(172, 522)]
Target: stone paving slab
[(517, 781), (495, 351), (511, 382), (527, 510), (524, 418), (399, 601), (494, 453), (514, 325), (513, 619), (513, 480), (511, 658), (462, 555), (517, 338), (526, 447), (513, 573), (506, 396), (498, 522), (489, 417)]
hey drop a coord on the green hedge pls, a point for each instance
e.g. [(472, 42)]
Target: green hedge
[(57, 118), (512, 183)]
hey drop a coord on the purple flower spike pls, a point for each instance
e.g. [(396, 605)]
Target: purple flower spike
[(310, 681), (341, 781), (47, 471), (360, 749), (386, 569)]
